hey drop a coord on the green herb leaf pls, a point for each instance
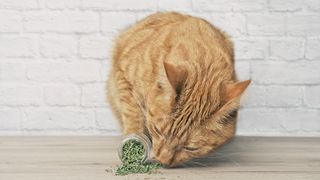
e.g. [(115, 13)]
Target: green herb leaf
[(132, 156)]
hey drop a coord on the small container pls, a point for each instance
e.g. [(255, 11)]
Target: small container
[(143, 139)]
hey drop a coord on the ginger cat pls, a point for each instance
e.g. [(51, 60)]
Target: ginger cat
[(173, 79)]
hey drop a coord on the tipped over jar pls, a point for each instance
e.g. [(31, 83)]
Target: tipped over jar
[(139, 139)]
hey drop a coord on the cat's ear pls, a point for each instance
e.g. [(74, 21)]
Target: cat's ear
[(232, 90), (176, 75)]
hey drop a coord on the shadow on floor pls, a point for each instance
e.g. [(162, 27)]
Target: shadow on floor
[(227, 154)]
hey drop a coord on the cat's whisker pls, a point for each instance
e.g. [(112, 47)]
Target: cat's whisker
[(198, 163), (183, 165), (218, 156)]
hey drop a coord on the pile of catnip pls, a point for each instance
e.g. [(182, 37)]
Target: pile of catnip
[(132, 156)]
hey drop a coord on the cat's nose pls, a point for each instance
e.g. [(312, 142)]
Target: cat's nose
[(165, 157), (163, 161), (174, 163), (170, 164)]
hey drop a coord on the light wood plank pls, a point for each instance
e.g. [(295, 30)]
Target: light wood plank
[(51, 158)]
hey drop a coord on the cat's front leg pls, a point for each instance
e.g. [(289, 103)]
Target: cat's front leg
[(131, 116)]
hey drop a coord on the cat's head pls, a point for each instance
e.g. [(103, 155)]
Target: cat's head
[(186, 119)]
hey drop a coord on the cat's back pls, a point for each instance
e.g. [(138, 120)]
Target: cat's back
[(145, 32), (166, 31), (179, 39)]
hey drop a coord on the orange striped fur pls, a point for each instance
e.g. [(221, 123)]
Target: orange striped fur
[(173, 78)]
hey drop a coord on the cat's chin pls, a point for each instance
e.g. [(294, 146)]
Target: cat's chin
[(172, 166)]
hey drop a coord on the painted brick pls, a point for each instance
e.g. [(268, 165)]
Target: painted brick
[(120, 5), (254, 96), (300, 120), (58, 46), (57, 119), (278, 120), (84, 72), (62, 95), (242, 70), (94, 95), (10, 22), (9, 119), (17, 47), (233, 24), (312, 96), (250, 49), (286, 73), (287, 49), (143, 14), (63, 72), (313, 5), (105, 70), (303, 25), (116, 21), (63, 4), (266, 25), (62, 22), (249, 5), (285, 5), (212, 5), (259, 120), (10, 72), (106, 120), (284, 96), (177, 5), (20, 95), (95, 47), (47, 72), (312, 49), (19, 4)]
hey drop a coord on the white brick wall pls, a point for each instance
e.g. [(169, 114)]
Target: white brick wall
[(55, 57)]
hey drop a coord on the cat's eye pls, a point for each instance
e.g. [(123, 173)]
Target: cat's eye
[(190, 148), (233, 114), (157, 130)]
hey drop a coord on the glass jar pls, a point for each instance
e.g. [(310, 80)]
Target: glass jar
[(143, 139)]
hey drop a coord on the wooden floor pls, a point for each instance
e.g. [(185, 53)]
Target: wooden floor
[(91, 158)]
